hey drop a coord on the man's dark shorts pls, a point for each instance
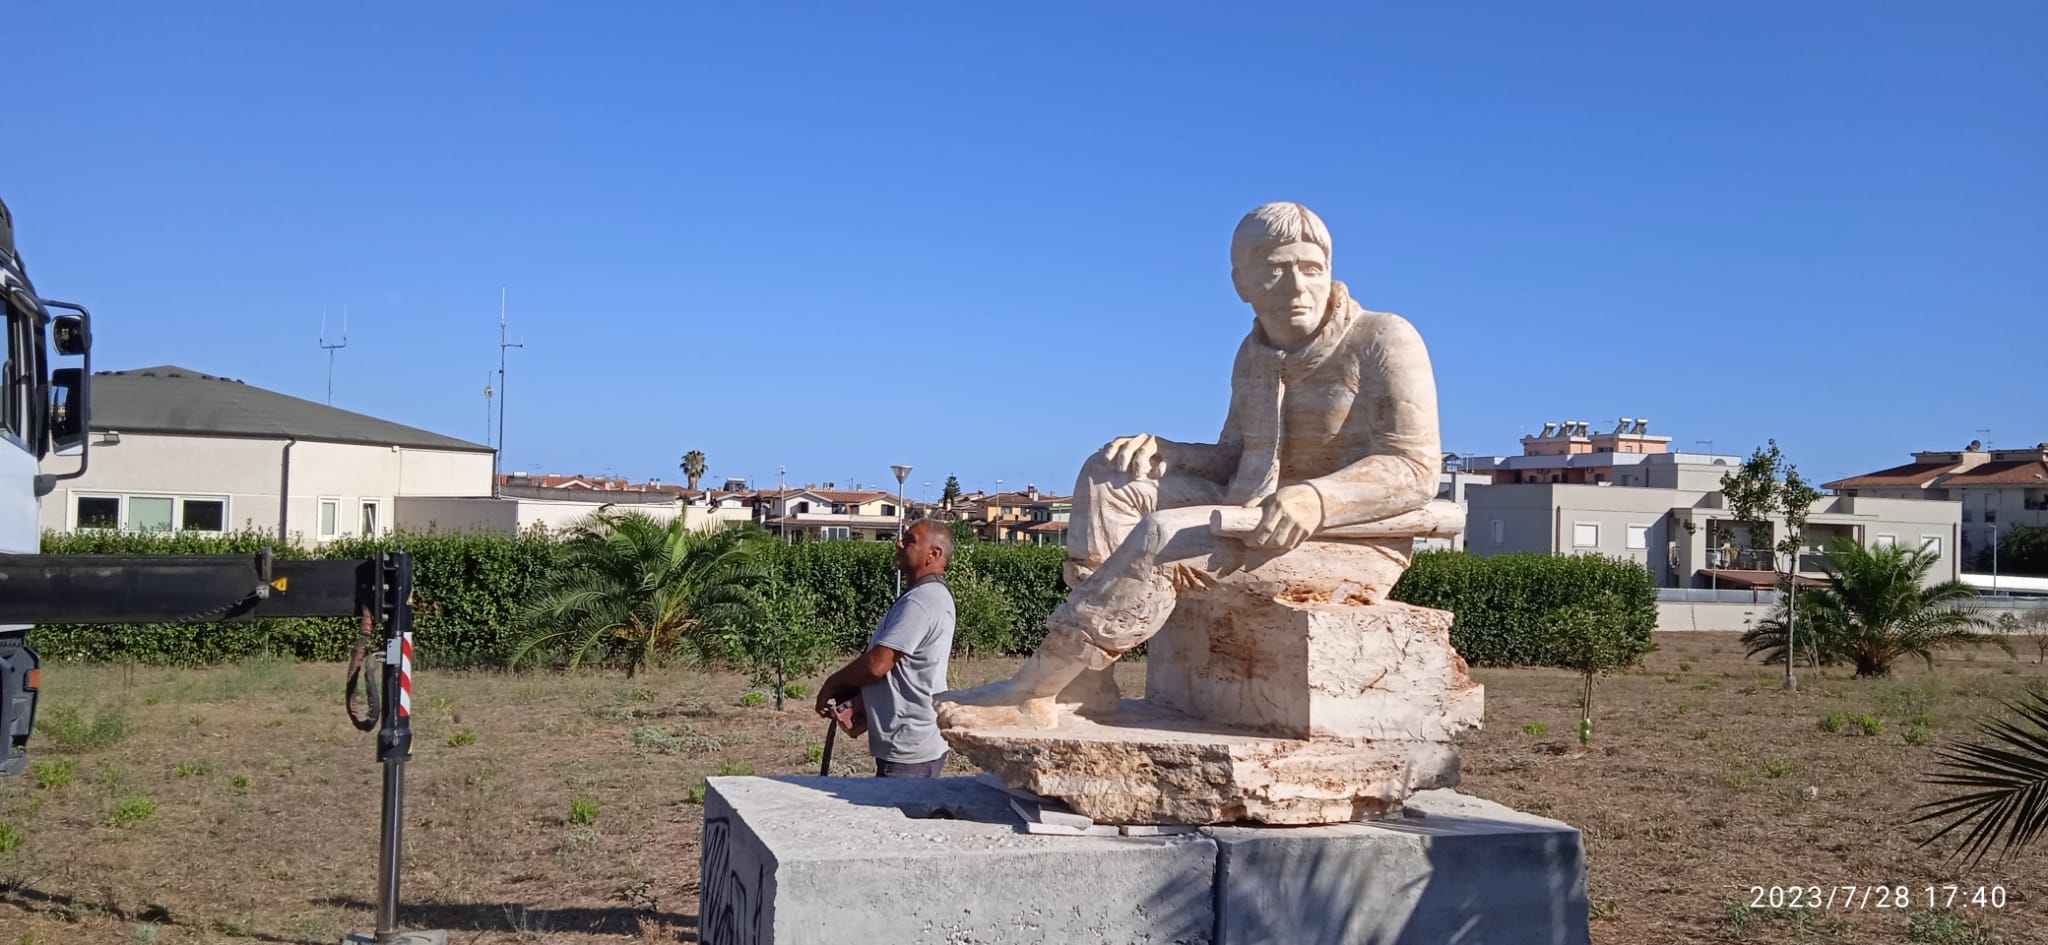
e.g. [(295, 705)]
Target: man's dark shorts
[(919, 769)]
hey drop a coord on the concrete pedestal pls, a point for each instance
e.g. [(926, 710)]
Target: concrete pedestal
[(810, 861), (1454, 870), (832, 861)]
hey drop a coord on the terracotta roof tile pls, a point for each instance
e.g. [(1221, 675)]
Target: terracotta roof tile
[(1911, 474), (2020, 473)]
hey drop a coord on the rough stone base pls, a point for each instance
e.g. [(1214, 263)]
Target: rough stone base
[(1150, 765), (831, 861), (1455, 869), (798, 861)]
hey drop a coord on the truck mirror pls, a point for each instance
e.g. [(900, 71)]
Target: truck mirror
[(68, 335), (68, 413)]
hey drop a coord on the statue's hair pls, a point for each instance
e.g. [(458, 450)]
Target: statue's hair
[(1276, 224)]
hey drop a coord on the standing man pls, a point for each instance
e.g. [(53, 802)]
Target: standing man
[(905, 662)]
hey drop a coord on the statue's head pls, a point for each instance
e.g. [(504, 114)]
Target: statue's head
[(1280, 263)]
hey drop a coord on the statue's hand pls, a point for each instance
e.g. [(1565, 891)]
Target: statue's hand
[(1287, 518), (1137, 456)]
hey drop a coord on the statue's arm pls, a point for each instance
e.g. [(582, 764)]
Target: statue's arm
[(1403, 450)]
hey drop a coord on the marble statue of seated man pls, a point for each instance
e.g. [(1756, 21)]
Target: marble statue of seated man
[(1332, 425)]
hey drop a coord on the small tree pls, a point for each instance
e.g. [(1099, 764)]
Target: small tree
[(952, 490), (2034, 627), (1594, 638), (1756, 494), (2022, 551), (693, 467)]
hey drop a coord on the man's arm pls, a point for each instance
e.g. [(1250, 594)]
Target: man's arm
[(1404, 455), (866, 668)]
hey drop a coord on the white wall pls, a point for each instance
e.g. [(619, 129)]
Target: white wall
[(250, 475)]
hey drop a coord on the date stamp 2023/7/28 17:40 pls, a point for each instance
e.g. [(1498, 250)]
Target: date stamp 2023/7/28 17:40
[(1877, 897)]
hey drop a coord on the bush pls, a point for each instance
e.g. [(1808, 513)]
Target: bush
[(582, 810), (1833, 722), (1505, 605), (131, 811)]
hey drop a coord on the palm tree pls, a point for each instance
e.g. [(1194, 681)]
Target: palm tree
[(631, 584), (693, 467), (1877, 609), (2006, 776)]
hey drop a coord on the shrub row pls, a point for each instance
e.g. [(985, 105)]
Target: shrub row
[(1505, 604), (467, 587)]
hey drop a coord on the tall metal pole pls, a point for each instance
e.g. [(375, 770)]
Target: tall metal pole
[(1791, 616), (502, 345), (1994, 560)]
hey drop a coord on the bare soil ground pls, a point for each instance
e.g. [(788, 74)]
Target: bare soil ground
[(237, 805)]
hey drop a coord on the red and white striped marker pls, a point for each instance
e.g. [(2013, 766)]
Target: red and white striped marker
[(405, 675)]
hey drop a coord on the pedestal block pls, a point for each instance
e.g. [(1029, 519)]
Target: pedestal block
[(1454, 869), (811, 861), (829, 861), (1276, 701)]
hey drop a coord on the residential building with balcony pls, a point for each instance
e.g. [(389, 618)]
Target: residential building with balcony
[(1632, 498), (1998, 490)]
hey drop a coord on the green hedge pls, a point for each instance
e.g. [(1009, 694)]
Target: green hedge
[(467, 586), (1504, 603)]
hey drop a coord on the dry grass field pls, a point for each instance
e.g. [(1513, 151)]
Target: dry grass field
[(237, 805)]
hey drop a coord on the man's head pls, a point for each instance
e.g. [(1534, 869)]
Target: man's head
[(924, 549), (1280, 263)]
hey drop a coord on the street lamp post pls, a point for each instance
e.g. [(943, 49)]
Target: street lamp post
[(1994, 560), (902, 472)]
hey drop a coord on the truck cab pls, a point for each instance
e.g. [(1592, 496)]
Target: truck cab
[(42, 411)]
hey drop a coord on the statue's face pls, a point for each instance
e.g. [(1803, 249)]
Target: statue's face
[(1289, 290)]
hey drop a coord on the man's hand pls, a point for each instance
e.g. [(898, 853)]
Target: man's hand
[(1135, 456), (825, 697), (1287, 518)]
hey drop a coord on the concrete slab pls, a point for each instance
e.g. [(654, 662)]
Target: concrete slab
[(826, 861), (1457, 870)]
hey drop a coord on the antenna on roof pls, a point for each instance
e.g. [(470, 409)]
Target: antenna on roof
[(502, 345), (488, 391), (330, 348)]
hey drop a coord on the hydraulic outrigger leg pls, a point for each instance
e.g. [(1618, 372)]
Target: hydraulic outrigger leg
[(84, 589), (392, 595)]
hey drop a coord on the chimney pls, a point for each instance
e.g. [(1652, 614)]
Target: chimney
[(1032, 491), (1548, 429)]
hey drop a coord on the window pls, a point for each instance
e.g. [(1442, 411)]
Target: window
[(150, 513), (884, 536), (1639, 537), (889, 510), (203, 515), (96, 511), (369, 518), (330, 518), (1500, 532), (1885, 541), (1585, 535), (803, 508), (1931, 544)]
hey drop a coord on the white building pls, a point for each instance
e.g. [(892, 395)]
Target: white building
[(1999, 490), (1622, 495), (177, 449)]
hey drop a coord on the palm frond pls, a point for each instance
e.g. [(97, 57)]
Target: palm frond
[(2006, 806)]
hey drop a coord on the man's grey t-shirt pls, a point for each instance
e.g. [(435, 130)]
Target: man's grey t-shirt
[(903, 727)]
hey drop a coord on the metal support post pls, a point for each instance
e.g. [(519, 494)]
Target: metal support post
[(393, 596)]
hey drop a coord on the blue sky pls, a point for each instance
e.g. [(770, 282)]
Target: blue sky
[(983, 240)]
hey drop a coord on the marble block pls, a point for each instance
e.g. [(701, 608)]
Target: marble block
[(1257, 709)]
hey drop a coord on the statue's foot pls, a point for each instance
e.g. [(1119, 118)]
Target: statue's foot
[(997, 705)]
